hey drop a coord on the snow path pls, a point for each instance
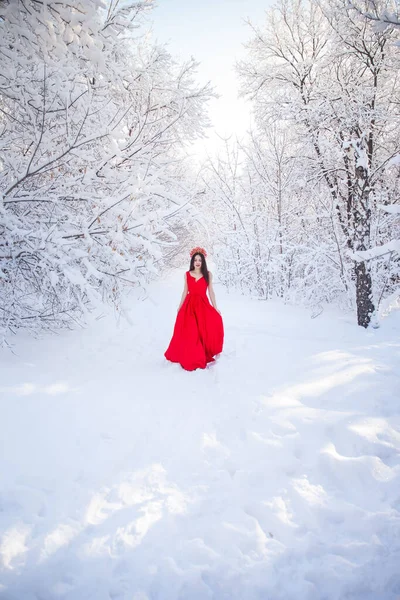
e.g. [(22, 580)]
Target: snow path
[(274, 474)]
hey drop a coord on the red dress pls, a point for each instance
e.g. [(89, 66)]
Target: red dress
[(199, 331)]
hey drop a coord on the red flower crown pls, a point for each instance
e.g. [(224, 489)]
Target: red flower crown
[(198, 250)]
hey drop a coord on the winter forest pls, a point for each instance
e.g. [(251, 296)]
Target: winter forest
[(97, 195), (275, 473)]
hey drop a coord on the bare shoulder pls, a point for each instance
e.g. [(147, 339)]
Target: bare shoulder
[(210, 275)]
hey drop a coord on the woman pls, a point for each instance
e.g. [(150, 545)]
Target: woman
[(199, 331)]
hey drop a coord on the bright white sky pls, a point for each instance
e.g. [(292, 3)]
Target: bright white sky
[(213, 32)]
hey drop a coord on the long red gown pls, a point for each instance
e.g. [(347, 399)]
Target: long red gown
[(199, 331)]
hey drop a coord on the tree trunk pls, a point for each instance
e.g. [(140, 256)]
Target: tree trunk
[(362, 230), (365, 306)]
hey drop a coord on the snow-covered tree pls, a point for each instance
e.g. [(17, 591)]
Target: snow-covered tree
[(383, 14), (92, 121), (331, 77)]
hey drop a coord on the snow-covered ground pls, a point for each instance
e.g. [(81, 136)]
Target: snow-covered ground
[(272, 475)]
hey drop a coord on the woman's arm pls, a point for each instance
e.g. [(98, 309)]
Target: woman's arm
[(184, 294), (211, 292)]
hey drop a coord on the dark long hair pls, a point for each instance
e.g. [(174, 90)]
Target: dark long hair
[(204, 270)]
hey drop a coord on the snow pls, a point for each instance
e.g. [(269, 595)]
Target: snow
[(393, 209), (392, 246), (394, 161), (274, 473)]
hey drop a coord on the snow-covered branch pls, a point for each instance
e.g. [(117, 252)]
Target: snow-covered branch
[(94, 120)]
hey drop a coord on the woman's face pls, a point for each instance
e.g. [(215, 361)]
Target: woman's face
[(197, 261)]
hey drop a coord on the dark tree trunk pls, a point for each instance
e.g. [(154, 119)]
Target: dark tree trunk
[(365, 306), (362, 230)]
